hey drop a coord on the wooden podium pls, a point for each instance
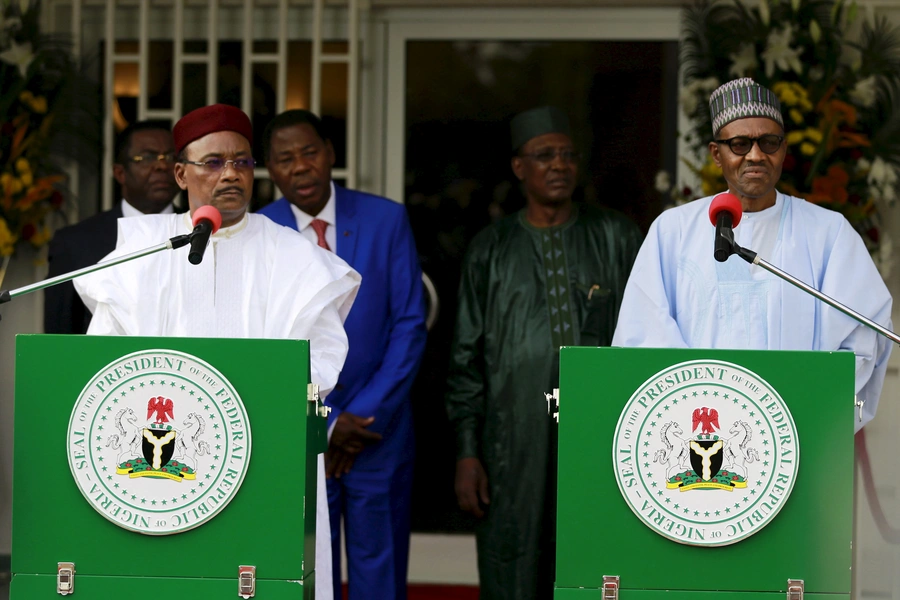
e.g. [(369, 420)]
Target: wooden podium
[(164, 467)]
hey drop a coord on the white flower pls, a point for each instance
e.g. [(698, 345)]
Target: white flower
[(695, 93), (743, 61), (864, 92), (863, 164), (18, 55), (882, 173), (779, 53), (882, 180), (663, 182)]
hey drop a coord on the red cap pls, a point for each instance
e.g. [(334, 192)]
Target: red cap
[(210, 119)]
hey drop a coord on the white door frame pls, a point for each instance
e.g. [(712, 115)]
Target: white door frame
[(594, 24)]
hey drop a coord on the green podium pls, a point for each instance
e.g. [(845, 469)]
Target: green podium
[(689, 474), (164, 467)]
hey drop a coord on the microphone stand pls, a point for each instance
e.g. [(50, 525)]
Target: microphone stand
[(176, 242), (751, 257)]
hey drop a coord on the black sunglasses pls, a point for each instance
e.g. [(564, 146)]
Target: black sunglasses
[(741, 144)]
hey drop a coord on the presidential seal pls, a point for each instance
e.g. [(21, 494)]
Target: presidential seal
[(158, 442), (706, 453)]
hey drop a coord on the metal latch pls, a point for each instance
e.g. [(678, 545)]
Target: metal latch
[(553, 404), (246, 581), (859, 405), (65, 578), (610, 589), (795, 589), (312, 395)]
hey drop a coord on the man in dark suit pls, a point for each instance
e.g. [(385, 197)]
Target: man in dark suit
[(145, 169), (370, 453)]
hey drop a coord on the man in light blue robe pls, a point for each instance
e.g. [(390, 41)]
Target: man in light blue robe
[(679, 296)]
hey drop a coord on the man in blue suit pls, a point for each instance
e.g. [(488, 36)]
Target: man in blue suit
[(370, 453)]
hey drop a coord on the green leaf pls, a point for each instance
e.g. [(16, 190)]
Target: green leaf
[(815, 32), (765, 15), (852, 13)]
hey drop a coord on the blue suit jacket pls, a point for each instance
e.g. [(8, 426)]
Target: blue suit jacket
[(386, 326)]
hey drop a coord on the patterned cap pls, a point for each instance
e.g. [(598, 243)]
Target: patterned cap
[(740, 99)]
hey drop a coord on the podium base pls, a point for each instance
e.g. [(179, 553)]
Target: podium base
[(596, 594), (37, 587)]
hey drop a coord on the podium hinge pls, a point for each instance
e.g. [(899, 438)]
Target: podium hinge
[(65, 578), (246, 581), (610, 590), (312, 395), (553, 404), (795, 589)]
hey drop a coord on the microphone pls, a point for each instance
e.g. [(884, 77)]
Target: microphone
[(725, 213), (207, 220)]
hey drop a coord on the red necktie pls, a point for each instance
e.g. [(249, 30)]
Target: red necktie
[(319, 225)]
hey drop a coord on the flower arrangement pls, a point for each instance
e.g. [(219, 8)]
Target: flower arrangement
[(838, 93), (38, 79)]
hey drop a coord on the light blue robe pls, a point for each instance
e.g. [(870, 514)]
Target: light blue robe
[(678, 296)]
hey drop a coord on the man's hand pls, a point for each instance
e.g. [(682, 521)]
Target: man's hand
[(348, 438), (471, 486), (337, 463), (350, 433)]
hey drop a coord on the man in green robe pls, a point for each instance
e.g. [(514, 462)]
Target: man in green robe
[(551, 275)]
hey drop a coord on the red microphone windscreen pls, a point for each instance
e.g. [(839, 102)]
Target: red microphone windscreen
[(209, 213), (728, 202)]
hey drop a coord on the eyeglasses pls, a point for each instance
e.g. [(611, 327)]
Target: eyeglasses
[(218, 164), (548, 156), (741, 145), (148, 158)]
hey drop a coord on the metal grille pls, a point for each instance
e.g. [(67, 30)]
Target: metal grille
[(177, 21)]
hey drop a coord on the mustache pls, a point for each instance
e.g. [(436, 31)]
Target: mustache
[(230, 188)]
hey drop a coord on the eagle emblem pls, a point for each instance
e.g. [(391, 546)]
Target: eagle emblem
[(163, 406), (708, 418)]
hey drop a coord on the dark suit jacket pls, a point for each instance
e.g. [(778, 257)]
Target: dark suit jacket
[(75, 247), (386, 326)]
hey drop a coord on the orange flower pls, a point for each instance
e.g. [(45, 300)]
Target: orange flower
[(830, 188), (841, 112), (41, 190), (851, 139)]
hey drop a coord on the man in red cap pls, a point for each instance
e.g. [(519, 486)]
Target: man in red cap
[(258, 279)]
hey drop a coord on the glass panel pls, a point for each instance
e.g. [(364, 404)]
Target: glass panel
[(230, 65), (334, 109), (193, 87), (264, 102), (126, 87), (459, 179), (195, 46), (265, 47), (159, 75), (126, 47), (299, 74)]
